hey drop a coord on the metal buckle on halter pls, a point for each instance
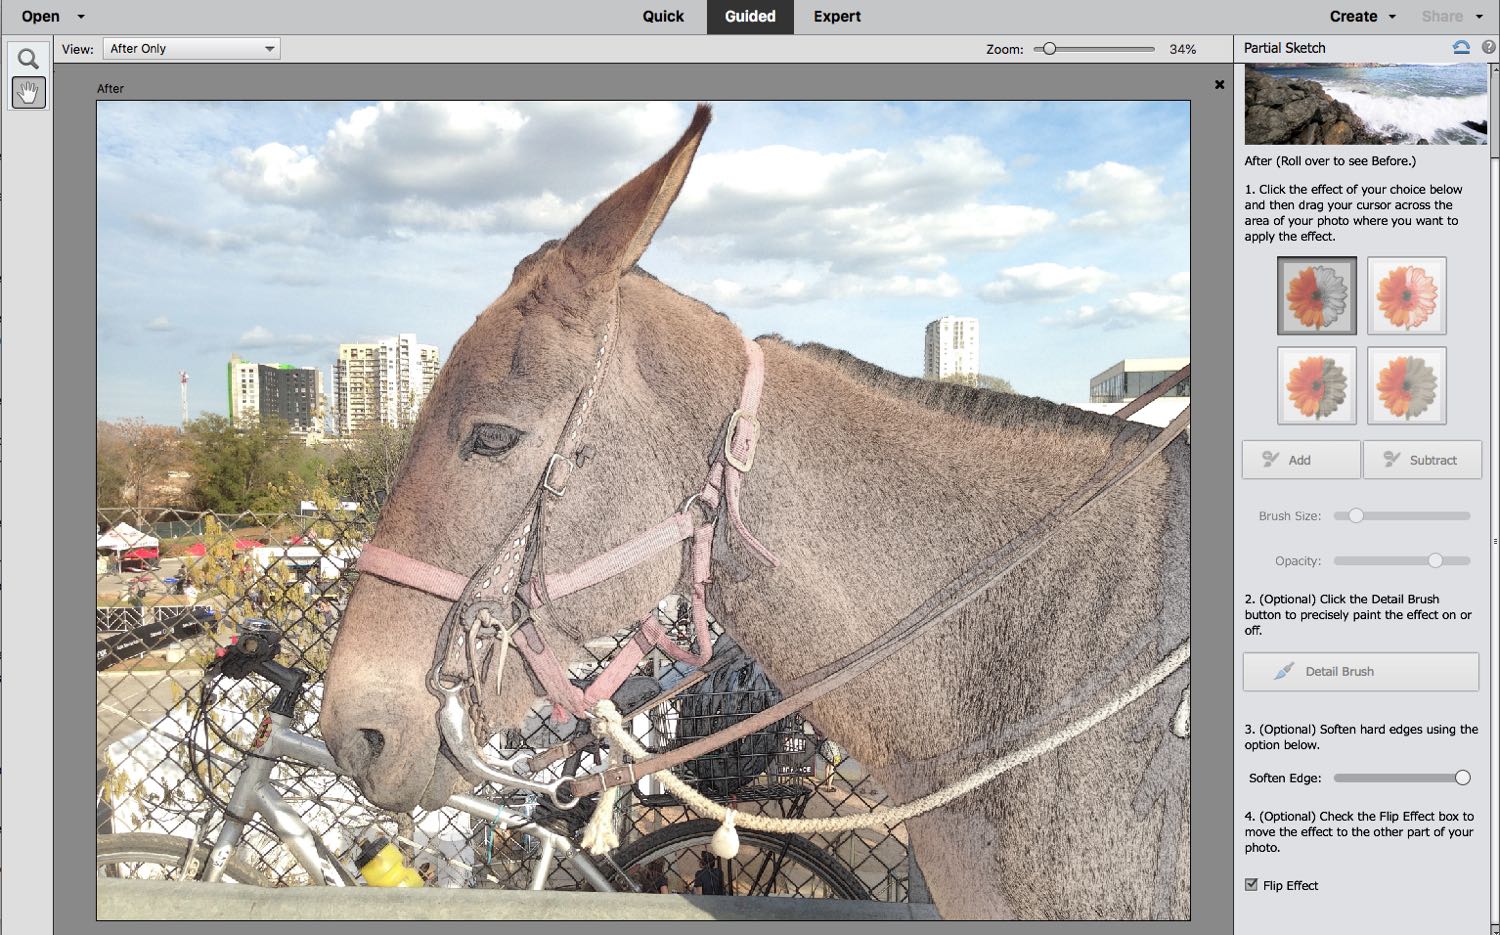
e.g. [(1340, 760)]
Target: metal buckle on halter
[(734, 422), (547, 476)]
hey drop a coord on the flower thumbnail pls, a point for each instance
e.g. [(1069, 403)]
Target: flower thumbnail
[(1407, 386), (1407, 296), (1317, 296), (1317, 387)]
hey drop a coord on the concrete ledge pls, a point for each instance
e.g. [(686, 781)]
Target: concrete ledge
[(161, 900)]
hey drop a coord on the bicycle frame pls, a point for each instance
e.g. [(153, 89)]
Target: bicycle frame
[(254, 794)]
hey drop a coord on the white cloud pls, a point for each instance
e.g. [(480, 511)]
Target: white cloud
[(1127, 311), (857, 210), (421, 165), (1177, 284), (778, 223), (1043, 282), (1115, 195), (211, 239), (1150, 306), (258, 336), (262, 337), (1075, 317), (400, 168), (159, 323)]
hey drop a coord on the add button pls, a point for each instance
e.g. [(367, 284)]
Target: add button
[(1289, 459)]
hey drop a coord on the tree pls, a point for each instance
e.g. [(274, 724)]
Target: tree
[(146, 452), (982, 381), (366, 470), (109, 476), (237, 469)]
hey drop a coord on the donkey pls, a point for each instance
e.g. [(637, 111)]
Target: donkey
[(874, 490)]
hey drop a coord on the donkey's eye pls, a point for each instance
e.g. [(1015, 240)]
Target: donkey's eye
[(489, 440)]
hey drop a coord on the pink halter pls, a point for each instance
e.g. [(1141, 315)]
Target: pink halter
[(733, 460)]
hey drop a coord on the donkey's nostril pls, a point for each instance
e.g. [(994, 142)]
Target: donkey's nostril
[(374, 741)]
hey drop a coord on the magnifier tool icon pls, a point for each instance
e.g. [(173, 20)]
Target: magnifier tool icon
[(28, 58)]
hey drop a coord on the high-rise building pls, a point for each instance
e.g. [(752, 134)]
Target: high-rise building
[(285, 391), (244, 390), (382, 381), (951, 348)]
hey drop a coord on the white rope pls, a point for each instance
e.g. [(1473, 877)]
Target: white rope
[(600, 836), (608, 718)]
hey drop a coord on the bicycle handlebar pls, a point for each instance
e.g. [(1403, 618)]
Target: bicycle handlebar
[(254, 653), (289, 683)]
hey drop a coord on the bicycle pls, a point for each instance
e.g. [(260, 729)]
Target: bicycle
[(769, 864)]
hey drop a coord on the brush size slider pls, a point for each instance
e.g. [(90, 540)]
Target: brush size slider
[(1357, 515)]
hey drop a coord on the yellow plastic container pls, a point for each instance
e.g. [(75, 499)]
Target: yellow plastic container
[(381, 864)]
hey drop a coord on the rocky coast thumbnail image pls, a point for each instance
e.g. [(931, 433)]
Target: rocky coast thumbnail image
[(1367, 104)]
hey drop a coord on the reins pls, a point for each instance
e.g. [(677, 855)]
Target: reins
[(950, 599)]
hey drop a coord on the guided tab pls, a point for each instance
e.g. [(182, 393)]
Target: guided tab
[(750, 17)]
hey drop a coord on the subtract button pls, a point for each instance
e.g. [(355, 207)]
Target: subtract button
[(1424, 460)]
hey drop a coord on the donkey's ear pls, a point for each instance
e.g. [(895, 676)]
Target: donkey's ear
[(615, 234)]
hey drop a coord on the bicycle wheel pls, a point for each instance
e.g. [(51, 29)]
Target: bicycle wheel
[(767, 864), (142, 856)]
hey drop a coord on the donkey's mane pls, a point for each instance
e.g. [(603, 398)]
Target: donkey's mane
[(985, 407)]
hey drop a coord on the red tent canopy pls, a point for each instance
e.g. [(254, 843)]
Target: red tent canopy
[(141, 554)]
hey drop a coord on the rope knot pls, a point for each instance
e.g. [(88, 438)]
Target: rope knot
[(726, 842), (605, 719), (600, 835)]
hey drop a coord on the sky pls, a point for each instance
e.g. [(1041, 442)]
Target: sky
[(277, 230)]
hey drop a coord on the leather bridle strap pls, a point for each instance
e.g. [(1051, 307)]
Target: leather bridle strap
[(413, 573), (804, 691), (734, 457)]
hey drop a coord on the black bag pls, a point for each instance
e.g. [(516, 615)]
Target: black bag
[(732, 693)]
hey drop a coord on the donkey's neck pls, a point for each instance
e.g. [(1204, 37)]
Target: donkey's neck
[(873, 502), (879, 500)]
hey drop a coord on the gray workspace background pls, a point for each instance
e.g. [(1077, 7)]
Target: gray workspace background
[(1212, 143)]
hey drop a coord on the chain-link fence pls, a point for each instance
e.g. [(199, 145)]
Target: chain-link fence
[(169, 593)]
